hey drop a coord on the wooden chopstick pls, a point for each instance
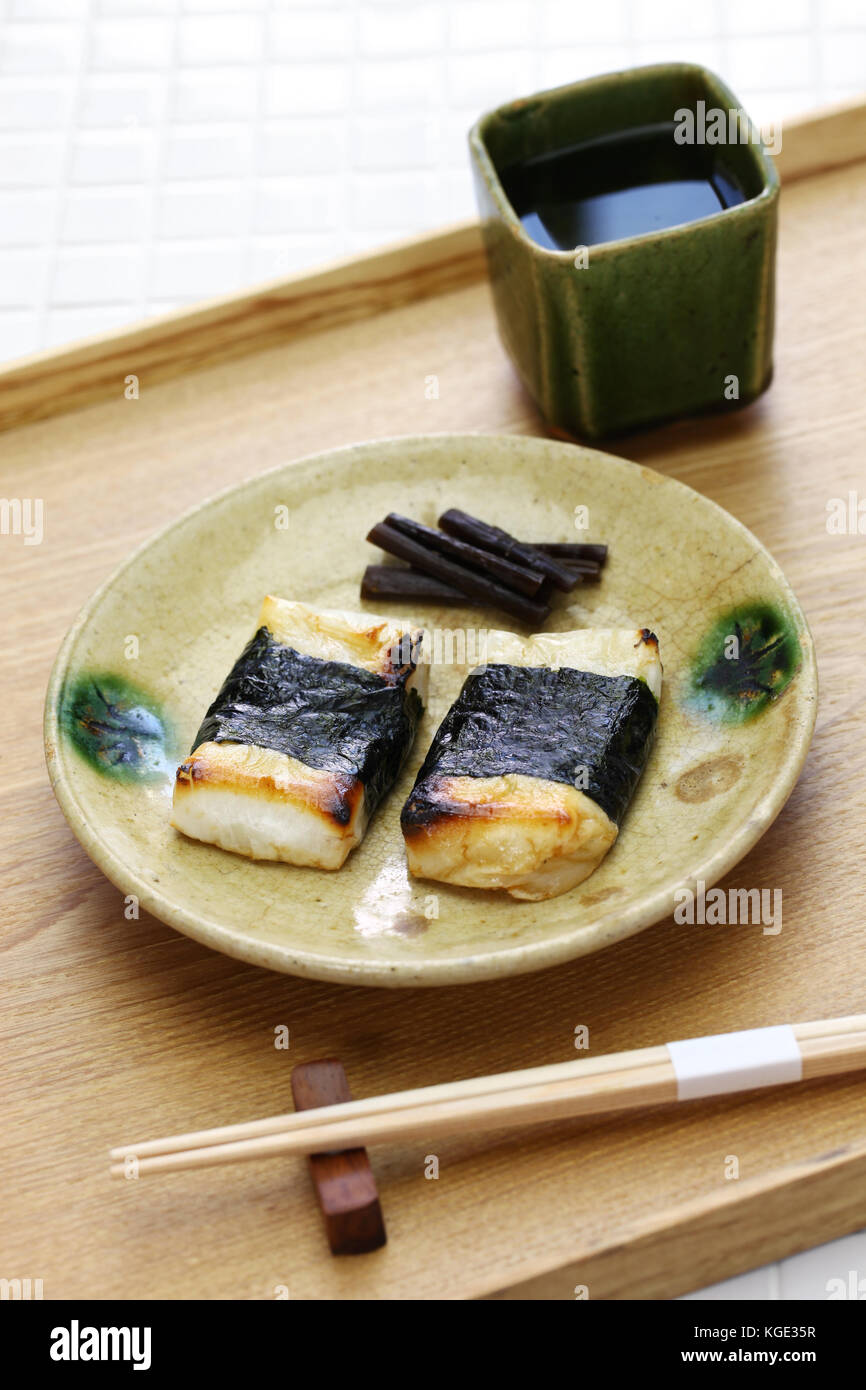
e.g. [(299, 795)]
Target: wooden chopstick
[(588, 1086), (528, 1104), (396, 1100)]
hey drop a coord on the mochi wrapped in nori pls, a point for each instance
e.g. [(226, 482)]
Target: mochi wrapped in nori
[(305, 738), (532, 769)]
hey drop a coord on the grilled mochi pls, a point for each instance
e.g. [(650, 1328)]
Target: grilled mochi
[(305, 738), (530, 773)]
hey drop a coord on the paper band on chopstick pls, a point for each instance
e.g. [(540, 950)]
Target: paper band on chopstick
[(727, 1062)]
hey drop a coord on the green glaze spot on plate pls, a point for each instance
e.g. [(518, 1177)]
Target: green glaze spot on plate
[(745, 661), (115, 727)]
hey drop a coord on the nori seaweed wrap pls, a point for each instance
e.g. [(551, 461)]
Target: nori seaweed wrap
[(531, 771), (305, 737)]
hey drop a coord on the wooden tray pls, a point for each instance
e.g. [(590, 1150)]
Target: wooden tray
[(117, 1028)]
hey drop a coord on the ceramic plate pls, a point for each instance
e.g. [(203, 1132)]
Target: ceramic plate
[(149, 651)]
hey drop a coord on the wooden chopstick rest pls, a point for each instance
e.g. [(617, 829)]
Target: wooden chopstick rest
[(344, 1181)]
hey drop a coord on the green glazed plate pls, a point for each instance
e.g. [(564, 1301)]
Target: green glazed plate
[(149, 651)]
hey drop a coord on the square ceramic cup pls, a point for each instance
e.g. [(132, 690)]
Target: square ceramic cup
[(633, 331)]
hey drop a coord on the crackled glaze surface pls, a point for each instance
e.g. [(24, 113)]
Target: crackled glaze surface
[(678, 564)]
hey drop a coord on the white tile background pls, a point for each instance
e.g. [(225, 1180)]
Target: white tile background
[(155, 151)]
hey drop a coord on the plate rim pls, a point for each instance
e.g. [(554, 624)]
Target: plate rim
[(495, 964)]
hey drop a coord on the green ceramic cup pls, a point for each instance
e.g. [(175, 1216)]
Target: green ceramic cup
[(638, 330)]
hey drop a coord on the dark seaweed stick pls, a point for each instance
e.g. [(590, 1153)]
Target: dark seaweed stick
[(585, 571), (397, 583), (477, 586), (569, 554), (513, 576), (478, 533)]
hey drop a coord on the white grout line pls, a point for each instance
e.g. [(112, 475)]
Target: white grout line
[(162, 132), (349, 116), (62, 190), (253, 181)]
